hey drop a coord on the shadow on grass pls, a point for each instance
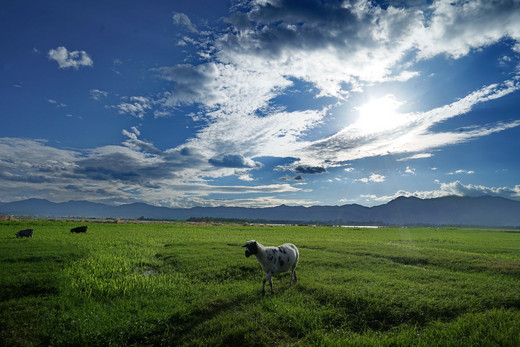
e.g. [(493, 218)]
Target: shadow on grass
[(27, 288), (358, 313), (222, 320), (182, 326)]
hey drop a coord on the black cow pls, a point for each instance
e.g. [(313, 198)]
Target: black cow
[(25, 233), (82, 229)]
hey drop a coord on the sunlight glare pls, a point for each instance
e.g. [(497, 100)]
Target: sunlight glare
[(379, 115)]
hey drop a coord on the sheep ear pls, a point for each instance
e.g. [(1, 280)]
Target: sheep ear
[(245, 245)]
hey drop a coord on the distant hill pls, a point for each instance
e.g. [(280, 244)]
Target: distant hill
[(451, 210)]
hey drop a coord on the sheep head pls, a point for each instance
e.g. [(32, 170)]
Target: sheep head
[(251, 248)]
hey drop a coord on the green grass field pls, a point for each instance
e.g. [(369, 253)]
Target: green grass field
[(178, 284)]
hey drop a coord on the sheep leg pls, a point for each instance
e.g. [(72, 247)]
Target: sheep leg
[(268, 278), (293, 275)]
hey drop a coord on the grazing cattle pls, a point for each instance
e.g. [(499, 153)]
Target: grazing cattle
[(274, 260), (82, 229), (25, 233)]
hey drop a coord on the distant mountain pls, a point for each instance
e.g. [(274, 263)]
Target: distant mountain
[(484, 210), (451, 210)]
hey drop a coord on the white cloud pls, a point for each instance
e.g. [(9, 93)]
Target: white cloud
[(410, 170), (135, 143), (137, 107), (375, 178), (459, 189), (453, 189), (504, 60), (459, 172), (456, 27), (66, 59), (245, 177), (97, 94)]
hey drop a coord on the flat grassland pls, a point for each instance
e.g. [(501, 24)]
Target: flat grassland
[(180, 284)]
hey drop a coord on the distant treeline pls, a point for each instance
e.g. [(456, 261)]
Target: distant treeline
[(274, 221), (332, 223), (237, 220)]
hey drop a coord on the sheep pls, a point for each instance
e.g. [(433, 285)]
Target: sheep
[(274, 260), (82, 229), (25, 233)]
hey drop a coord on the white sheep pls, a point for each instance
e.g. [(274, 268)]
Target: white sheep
[(274, 260)]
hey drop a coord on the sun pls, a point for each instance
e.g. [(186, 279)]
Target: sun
[(379, 115)]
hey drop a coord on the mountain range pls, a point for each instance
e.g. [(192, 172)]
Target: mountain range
[(450, 210)]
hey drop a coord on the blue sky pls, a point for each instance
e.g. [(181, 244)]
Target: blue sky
[(259, 103)]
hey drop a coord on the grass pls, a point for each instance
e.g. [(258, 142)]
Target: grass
[(179, 284)]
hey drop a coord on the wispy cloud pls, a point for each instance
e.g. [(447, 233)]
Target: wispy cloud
[(56, 103), (417, 156), (460, 172), (67, 59), (412, 133), (183, 20), (266, 50), (253, 136)]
